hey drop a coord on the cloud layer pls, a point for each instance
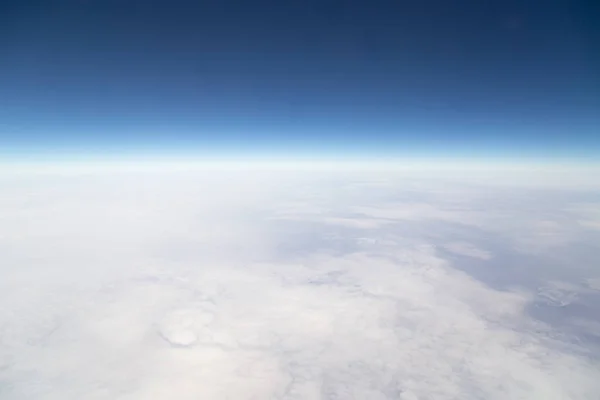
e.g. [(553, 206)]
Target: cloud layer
[(281, 286)]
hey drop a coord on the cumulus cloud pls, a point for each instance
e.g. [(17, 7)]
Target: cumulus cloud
[(175, 285)]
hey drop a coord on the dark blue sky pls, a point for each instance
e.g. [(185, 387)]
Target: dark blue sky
[(502, 78)]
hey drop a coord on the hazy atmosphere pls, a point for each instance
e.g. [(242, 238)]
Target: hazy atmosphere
[(328, 199)]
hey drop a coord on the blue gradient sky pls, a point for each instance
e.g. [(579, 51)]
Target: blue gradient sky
[(503, 79)]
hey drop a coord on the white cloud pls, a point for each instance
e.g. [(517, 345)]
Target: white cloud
[(467, 249), (588, 214), (559, 293), (127, 286), (594, 283)]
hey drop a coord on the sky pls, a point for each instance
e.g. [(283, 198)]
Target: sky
[(489, 79)]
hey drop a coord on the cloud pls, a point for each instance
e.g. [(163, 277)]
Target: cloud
[(133, 286), (587, 214), (594, 283), (467, 249)]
